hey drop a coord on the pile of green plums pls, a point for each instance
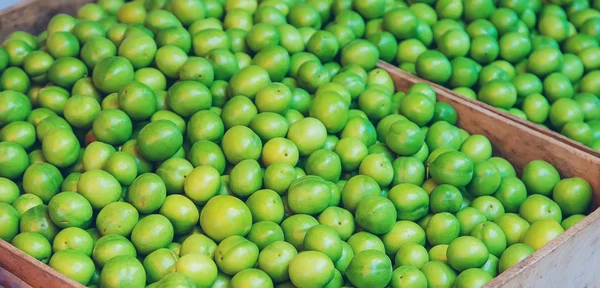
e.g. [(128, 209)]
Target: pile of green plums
[(539, 62), (210, 143)]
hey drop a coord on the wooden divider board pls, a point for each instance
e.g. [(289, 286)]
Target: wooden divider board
[(573, 258), (30, 270), (9, 280)]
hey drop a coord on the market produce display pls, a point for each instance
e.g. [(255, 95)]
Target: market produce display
[(539, 62), (208, 143)]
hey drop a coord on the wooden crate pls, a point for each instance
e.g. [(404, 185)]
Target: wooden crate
[(29, 271), (9, 280), (571, 260)]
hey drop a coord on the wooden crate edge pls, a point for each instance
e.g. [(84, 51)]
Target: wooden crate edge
[(30, 270), (590, 223)]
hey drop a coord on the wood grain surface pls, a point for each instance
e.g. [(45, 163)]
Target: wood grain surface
[(9, 280), (572, 259)]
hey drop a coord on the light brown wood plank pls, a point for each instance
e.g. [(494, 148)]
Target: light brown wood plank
[(30, 270), (571, 260), (8, 280)]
